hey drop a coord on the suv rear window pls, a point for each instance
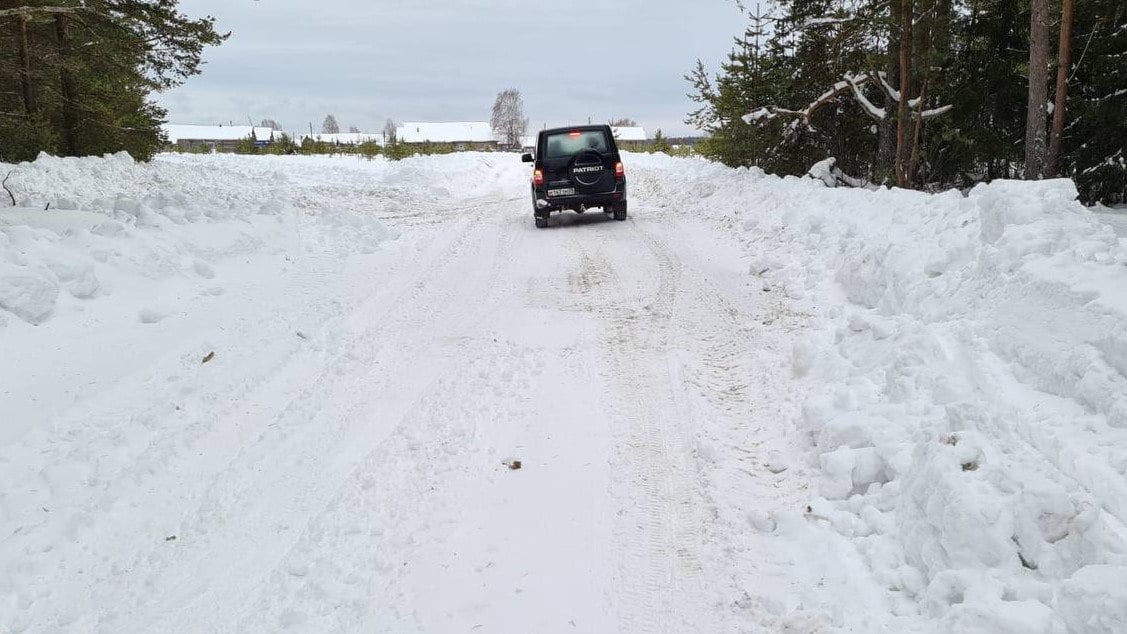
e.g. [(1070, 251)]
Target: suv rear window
[(563, 144)]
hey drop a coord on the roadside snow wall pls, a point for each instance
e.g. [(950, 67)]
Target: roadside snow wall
[(85, 228), (967, 416)]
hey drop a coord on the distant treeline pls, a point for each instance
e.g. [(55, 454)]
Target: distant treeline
[(285, 145)]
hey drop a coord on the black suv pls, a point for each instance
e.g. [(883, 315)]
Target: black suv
[(577, 168)]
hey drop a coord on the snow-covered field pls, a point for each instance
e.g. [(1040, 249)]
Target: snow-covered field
[(254, 394)]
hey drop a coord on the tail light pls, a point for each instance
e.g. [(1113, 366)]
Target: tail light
[(538, 177), (619, 170)]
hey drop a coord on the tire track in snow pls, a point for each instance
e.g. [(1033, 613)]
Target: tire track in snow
[(735, 346), (381, 590), (706, 400), (220, 503), (366, 371), (657, 575), (432, 415)]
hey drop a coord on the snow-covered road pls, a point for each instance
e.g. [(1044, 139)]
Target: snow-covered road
[(343, 461), (257, 394)]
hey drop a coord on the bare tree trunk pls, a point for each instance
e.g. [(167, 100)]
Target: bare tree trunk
[(1036, 115), (925, 56), (886, 148), (906, 11), (1064, 60), (917, 137), (25, 67), (66, 81)]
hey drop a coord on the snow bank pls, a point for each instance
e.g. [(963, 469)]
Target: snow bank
[(967, 417), (84, 227)]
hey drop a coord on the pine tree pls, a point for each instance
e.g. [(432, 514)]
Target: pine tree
[(1060, 97), (981, 139), (742, 84), (87, 70), (1036, 114), (1094, 152)]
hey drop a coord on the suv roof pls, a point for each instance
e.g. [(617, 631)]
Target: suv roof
[(568, 128)]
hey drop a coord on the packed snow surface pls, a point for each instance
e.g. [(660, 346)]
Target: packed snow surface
[(245, 394)]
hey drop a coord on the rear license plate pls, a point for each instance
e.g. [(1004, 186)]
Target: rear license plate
[(563, 191)]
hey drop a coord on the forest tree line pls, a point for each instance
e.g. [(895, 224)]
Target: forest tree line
[(926, 94), (76, 76)]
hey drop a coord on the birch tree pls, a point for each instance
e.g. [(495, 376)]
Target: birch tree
[(508, 121)]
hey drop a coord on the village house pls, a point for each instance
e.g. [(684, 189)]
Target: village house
[(465, 135), (222, 138), (630, 138)]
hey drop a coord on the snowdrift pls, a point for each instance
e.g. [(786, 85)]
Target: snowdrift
[(107, 265), (83, 227), (967, 413), (87, 228)]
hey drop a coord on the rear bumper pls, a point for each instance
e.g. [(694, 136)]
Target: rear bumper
[(557, 203)]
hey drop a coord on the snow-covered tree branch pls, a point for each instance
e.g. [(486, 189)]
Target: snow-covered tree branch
[(853, 84)]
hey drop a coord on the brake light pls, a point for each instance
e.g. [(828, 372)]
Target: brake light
[(575, 135), (619, 170), (538, 178)]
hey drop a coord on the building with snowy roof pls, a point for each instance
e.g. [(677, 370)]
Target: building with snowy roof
[(629, 138), (623, 133), (216, 137), (463, 135)]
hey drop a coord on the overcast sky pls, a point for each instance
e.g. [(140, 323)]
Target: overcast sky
[(446, 60)]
